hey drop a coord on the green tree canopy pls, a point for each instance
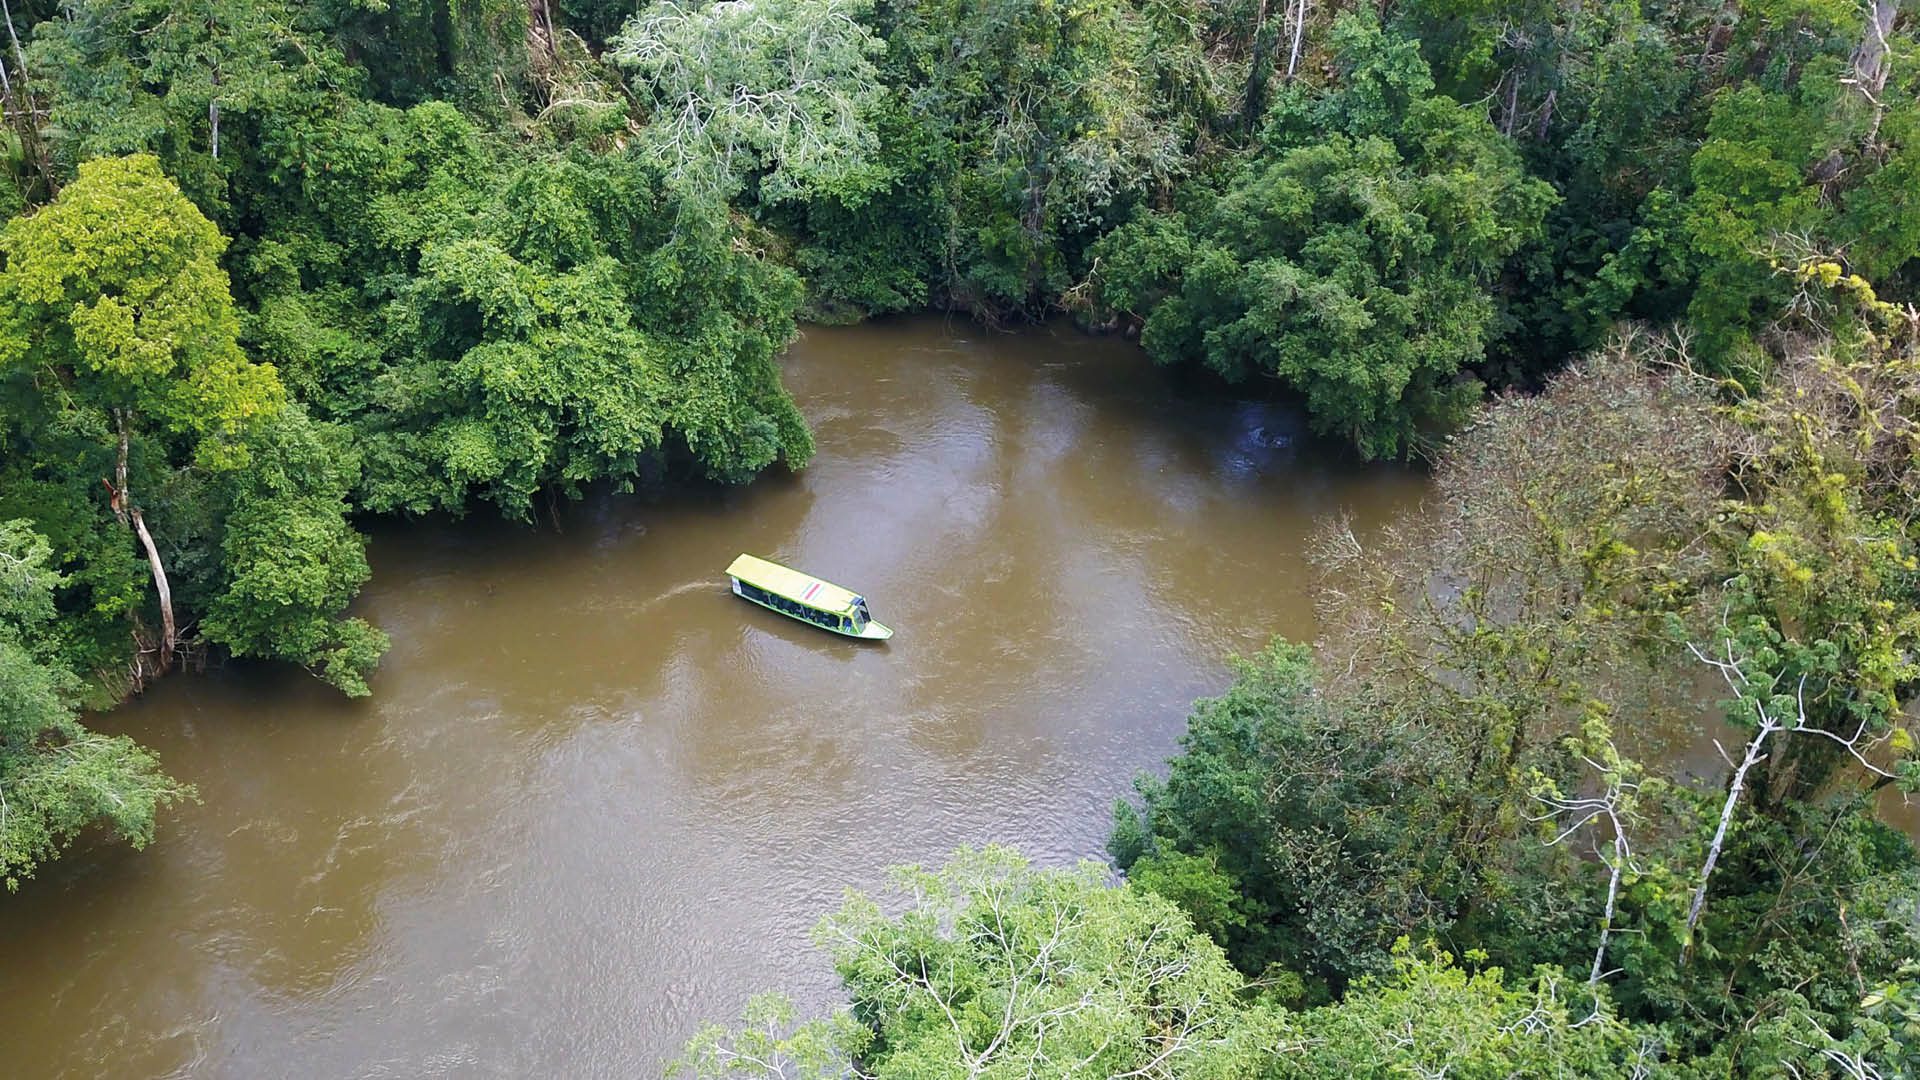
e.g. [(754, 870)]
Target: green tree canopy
[(192, 82), (544, 323), (1000, 970), (780, 92), (291, 562), (995, 969), (114, 306), (1789, 177), (115, 292), (1350, 255)]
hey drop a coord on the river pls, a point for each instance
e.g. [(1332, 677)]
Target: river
[(595, 800)]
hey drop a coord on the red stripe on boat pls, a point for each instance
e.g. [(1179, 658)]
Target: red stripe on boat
[(811, 589)]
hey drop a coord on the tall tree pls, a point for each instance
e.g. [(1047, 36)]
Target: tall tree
[(112, 301)]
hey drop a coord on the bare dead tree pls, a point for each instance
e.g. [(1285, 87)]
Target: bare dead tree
[(1612, 807), (1299, 13), (1757, 699), (1872, 61), (540, 34)]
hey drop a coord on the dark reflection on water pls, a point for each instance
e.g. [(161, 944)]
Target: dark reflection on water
[(596, 800)]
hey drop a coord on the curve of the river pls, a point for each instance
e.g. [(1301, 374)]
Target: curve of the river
[(595, 800)]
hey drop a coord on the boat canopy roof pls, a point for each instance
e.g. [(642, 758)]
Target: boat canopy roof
[(792, 584)]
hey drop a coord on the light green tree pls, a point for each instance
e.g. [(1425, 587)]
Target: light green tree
[(112, 300), (770, 1045), (1433, 1017), (779, 90), (997, 970), (1000, 970)]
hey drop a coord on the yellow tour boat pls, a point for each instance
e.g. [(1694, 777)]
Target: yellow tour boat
[(806, 598)]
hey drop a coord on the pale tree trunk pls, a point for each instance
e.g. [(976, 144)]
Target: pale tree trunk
[(119, 485), (13, 35), (123, 508), (1858, 746), (1735, 788), (18, 92), (213, 102), (540, 26), (1618, 867), (1870, 57), (160, 585), (1872, 61), (1299, 29), (1613, 807)]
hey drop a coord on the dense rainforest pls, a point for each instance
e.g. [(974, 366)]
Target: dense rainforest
[(1638, 279)]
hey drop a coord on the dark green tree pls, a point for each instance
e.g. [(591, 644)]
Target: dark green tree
[(1351, 255), (289, 559), (192, 82), (1791, 177)]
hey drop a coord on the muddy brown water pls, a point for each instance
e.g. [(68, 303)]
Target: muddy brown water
[(595, 800)]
